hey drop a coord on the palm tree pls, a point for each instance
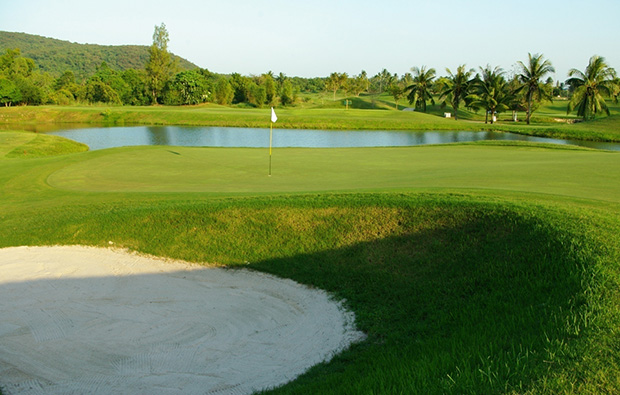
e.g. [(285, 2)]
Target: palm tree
[(421, 87), (531, 76), (456, 87), (491, 91), (591, 87), (384, 78)]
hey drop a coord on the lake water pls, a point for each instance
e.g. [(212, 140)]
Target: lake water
[(199, 136)]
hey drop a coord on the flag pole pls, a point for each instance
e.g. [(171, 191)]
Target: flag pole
[(270, 140), (274, 118)]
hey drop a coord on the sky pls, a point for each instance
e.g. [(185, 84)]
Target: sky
[(315, 38)]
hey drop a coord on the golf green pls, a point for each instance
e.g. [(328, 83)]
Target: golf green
[(582, 174)]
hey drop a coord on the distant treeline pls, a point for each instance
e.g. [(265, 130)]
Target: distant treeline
[(151, 75), (22, 82)]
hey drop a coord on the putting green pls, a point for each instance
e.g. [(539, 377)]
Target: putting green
[(584, 174)]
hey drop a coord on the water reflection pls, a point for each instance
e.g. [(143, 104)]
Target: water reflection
[(108, 137), (158, 135)]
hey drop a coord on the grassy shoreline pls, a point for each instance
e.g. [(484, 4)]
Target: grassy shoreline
[(37, 118)]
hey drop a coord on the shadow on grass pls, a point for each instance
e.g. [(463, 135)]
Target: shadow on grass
[(482, 307)]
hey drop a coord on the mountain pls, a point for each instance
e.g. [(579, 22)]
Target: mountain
[(57, 56)]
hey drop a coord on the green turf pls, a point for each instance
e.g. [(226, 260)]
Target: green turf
[(472, 268), (586, 174), (20, 144)]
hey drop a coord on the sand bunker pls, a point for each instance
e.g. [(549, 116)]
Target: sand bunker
[(89, 320)]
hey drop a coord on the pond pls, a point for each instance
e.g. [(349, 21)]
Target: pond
[(200, 136)]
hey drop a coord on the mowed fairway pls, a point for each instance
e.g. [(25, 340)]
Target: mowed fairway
[(577, 173), (473, 268)]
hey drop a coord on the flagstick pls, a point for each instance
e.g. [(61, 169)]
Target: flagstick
[(270, 140)]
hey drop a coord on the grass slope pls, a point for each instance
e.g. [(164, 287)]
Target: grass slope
[(20, 144), (489, 286)]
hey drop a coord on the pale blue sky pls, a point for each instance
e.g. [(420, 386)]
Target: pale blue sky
[(313, 38)]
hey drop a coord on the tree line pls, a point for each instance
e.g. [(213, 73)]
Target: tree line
[(162, 82)]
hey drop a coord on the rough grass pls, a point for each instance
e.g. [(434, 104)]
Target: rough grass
[(458, 294)]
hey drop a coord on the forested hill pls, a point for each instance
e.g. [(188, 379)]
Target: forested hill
[(57, 56)]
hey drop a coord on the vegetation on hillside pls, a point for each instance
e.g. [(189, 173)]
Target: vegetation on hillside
[(57, 56)]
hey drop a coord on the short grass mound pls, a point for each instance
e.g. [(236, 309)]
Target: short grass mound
[(20, 144)]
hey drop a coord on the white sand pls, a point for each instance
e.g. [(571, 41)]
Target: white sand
[(88, 320)]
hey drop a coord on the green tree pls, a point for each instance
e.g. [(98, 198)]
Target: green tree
[(456, 87), (270, 88), (397, 90), (161, 66), (114, 79), (223, 91), (420, 89), (530, 76), (9, 92), (12, 64), (139, 93), (258, 94), (335, 81), (359, 83), (286, 93), (241, 88), (96, 91), (187, 87), (66, 80), (31, 93), (491, 92), (382, 80), (590, 88)]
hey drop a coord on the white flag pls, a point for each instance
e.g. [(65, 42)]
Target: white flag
[(273, 115)]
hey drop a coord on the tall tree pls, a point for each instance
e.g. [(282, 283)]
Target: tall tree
[(287, 96), (270, 88), (187, 87), (9, 93), (420, 89), (530, 76), (161, 66), (359, 83), (491, 92), (223, 91), (397, 90), (336, 81), (591, 87), (457, 87)]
